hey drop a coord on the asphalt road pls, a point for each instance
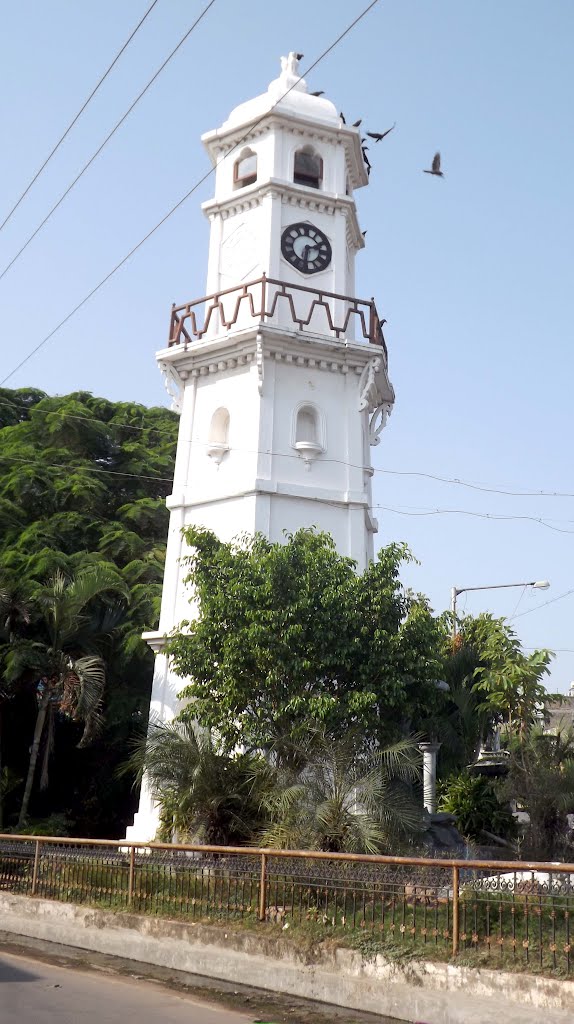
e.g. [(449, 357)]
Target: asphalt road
[(32, 992)]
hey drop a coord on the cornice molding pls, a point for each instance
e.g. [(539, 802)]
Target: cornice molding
[(290, 194), (242, 350)]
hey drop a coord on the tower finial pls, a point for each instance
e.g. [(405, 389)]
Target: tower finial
[(290, 77)]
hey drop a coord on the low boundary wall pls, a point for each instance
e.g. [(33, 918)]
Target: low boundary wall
[(414, 991)]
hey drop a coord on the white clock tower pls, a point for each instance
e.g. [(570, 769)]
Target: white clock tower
[(279, 372)]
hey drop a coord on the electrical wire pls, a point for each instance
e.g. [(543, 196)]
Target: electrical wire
[(475, 515), (552, 600), (66, 468), (184, 198), (491, 489), (75, 119), (517, 605), (106, 140)]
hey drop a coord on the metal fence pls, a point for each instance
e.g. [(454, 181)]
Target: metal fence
[(507, 911)]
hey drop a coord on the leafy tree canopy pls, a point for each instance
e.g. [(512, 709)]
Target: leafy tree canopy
[(288, 636), (82, 486)]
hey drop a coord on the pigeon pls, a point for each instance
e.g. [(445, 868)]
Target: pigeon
[(357, 123), (435, 167), (342, 116), (320, 93), (299, 56), (364, 232), (377, 136)]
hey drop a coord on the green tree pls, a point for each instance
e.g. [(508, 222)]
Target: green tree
[(491, 683), (541, 780), (343, 799), (62, 660), (289, 636), (83, 483), (204, 794)]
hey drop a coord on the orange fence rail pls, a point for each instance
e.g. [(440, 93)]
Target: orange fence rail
[(509, 911)]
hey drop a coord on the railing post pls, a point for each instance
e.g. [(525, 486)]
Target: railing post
[(263, 888), (263, 297), (455, 910), (131, 875), (171, 339), (36, 868)]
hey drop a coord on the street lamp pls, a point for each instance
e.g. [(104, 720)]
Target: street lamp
[(536, 585)]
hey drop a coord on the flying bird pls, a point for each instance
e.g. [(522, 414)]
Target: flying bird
[(320, 93), (357, 123), (377, 136), (364, 233), (299, 56), (342, 116), (435, 167)]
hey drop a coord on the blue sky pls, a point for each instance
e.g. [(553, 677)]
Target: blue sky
[(472, 273)]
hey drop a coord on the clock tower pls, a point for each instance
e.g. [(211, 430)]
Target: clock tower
[(279, 373)]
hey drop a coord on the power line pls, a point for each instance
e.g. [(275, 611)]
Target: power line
[(99, 83), (287, 455), (491, 489), (552, 600), (182, 200), (106, 140), (488, 488), (66, 468), (476, 515)]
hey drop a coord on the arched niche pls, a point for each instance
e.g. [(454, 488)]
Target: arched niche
[(308, 432), (218, 437)]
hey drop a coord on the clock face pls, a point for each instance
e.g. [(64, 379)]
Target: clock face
[(306, 248)]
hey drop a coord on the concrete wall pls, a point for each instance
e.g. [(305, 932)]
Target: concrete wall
[(416, 991)]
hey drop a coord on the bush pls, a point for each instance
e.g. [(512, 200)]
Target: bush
[(474, 802)]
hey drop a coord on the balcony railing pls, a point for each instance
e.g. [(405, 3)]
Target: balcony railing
[(266, 300)]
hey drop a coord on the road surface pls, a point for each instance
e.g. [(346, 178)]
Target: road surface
[(32, 992)]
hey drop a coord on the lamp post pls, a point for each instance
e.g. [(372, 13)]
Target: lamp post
[(535, 584)]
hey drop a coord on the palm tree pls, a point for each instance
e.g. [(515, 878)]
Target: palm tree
[(14, 614), (62, 659), (345, 800), (204, 795), (541, 779)]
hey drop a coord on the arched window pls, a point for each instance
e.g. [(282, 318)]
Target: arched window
[(308, 168), (245, 169), (218, 439), (308, 433)]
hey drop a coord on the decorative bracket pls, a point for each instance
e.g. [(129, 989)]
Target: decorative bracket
[(369, 394), (174, 385), (378, 421)]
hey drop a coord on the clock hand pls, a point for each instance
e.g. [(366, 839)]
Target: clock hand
[(305, 254)]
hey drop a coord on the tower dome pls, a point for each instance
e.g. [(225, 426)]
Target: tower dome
[(286, 94)]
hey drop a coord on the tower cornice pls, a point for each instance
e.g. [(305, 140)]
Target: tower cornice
[(293, 195), (251, 346)]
